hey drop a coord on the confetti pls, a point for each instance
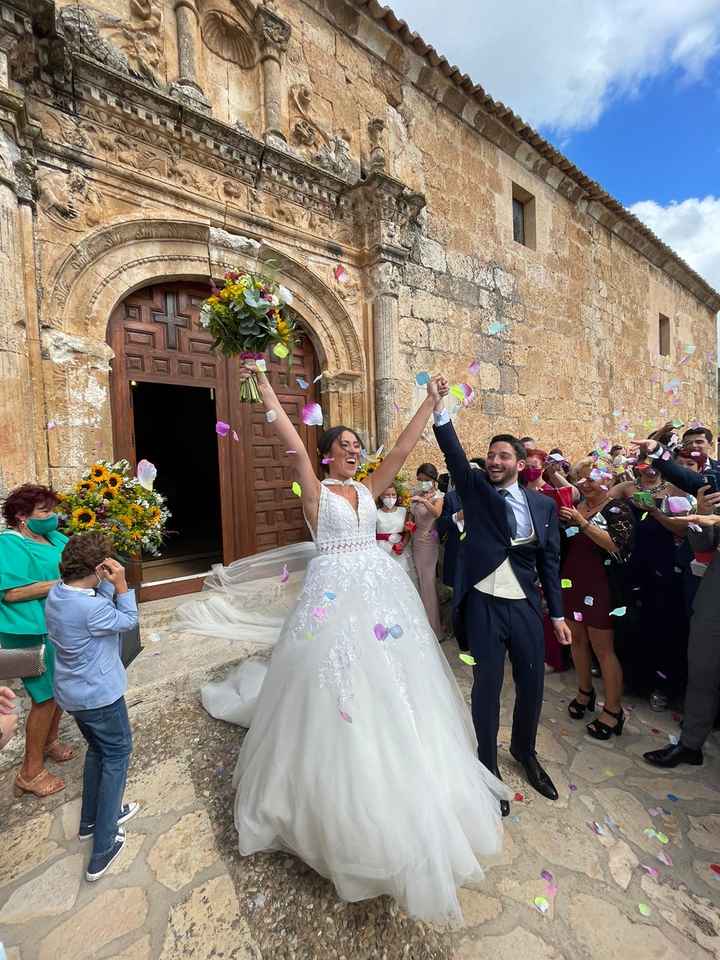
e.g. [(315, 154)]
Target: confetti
[(312, 415), (474, 368), (290, 452), (597, 829), (396, 631), (541, 904), (146, 473), (271, 416), (518, 798), (662, 837), (566, 584), (380, 631), (346, 716), (51, 425), (497, 326), (655, 811), (671, 796), (677, 424), (577, 616), (222, 429), (284, 576), (651, 871), (319, 613), (618, 612), (329, 595), (589, 601), (715, 867), (572, 787), (296, 488), (572, 532), (327, 460), (303, 384), (235, 436), (644, 909), (422, 378), (281, 351), (546, 875), (457, 391), (469, 660), (318, 377), (261, 364), (665, 858), (340, 273)]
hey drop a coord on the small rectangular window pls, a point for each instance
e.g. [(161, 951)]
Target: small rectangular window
[(523, 214), (664, 335)]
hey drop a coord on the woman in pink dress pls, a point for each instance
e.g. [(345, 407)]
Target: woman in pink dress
[(427, 504)]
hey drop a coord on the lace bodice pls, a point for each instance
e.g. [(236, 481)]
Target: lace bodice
[(339, 528)]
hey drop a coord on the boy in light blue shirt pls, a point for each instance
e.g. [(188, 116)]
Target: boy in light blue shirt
[(85, 613)]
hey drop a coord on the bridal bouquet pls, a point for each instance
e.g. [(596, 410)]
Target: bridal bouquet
[(248, 316), (111, 500)]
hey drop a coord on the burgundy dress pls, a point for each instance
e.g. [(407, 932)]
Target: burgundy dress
[(584, 566)]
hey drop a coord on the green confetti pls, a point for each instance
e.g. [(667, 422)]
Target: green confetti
[(662, 837), (541, 904), (457, 391), (644, 909), (280, 350), (463, 535), (296, 488), (677, 424), (566, 584), (466, 658)]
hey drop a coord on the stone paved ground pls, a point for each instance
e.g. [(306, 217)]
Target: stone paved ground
[(180, 890)]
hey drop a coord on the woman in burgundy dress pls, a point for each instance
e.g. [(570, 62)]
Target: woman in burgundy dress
[(599, 529)]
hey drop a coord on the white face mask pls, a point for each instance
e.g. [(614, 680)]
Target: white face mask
[(425, 485), (389, 501)]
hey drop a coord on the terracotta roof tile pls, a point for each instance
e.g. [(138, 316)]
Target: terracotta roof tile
[(665, 257)]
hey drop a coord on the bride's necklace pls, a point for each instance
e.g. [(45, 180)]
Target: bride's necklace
[(331, 482)]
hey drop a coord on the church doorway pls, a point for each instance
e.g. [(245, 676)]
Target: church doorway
[(230, 495)]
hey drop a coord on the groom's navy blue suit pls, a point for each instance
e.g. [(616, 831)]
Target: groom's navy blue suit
[(489, 626)]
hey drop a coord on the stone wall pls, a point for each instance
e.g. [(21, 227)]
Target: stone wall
[(385, 187)]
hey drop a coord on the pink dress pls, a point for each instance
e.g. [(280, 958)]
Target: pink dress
[(425, 554)]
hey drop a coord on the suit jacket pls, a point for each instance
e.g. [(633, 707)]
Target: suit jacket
[(85, 630), (488, 541), (706, 604), (449, 532), (685, 479)]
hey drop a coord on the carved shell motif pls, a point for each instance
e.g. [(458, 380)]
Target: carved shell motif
[(227, 38)]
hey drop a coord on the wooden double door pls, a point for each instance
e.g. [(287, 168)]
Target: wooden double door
[(230, 496)]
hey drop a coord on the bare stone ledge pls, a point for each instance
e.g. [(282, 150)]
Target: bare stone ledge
[(184, 851), (112, 914), (520, 943), (50, 894), (25, 847)]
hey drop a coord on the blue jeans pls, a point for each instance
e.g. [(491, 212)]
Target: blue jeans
[(109, 746)]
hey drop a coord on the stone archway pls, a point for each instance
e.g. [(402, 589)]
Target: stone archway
[(101, 270)]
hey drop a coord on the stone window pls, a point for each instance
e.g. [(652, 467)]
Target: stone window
[(664, 335), (523, 213)]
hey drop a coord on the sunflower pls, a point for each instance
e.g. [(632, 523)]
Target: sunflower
[(154, 516), (115, 481), (137, 510), (99, 473), (85, 486), (127, 519), (84, 517)]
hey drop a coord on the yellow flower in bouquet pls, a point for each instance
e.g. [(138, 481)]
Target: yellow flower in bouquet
[(84, 517), (99, 472)]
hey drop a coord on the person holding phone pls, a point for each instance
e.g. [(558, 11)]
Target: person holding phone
[(85, 614), (600, 528)]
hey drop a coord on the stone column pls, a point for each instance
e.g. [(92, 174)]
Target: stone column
[(186, 86), (273, 34), (386, 320)]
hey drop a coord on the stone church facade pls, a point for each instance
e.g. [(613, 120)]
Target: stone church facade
[(420, 225)]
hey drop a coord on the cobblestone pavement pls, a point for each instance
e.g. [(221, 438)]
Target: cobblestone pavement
[(180, 889)]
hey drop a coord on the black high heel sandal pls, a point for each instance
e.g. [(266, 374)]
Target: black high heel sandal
[(576, 709), (601, 731)]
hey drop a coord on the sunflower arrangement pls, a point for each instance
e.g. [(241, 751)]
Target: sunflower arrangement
[(248, 316), (401, 481), (110, 499)]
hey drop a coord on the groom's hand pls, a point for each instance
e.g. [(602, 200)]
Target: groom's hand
[(562, 632)]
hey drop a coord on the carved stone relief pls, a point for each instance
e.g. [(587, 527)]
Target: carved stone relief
[(228, 39), (376, 160), (329, 150), (69, 199), (141, 39)]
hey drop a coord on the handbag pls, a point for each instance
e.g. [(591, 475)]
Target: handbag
[(24, 662)]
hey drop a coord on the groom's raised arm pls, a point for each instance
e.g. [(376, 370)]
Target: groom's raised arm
[(463, 476)]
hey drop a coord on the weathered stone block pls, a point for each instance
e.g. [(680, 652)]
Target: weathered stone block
[(457, 290), (432, 255), (419, 277), (414, 332), (428, 307)]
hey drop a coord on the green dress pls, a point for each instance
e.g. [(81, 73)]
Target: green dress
[(22, 562)]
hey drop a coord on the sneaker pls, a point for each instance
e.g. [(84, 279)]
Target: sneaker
[(658, 701), (100, 865), (127, 812)]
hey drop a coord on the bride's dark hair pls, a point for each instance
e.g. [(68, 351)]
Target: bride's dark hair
[(328, 438)]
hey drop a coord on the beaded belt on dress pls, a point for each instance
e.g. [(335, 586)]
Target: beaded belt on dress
[(355, 545)]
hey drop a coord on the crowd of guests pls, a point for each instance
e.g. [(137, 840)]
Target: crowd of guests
[(636, 546)]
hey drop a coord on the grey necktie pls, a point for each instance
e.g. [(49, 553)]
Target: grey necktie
[(511, 518)]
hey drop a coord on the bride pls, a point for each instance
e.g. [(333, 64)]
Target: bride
[(361, 757)]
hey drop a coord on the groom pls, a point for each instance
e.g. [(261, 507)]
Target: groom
[(512, 541)]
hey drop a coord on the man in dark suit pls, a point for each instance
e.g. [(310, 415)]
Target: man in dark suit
[(512, 540)]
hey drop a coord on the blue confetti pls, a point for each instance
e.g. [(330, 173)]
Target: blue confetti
[(422, 378), (396, 631), (572, 531), (671, 796), (329, 595)]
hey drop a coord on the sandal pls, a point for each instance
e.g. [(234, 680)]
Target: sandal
[(45, 784), (577, 709), (59, 752), (602, 731)]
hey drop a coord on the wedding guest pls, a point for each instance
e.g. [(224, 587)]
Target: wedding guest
[(393, 533), (8, 718), (600, 527), (30, 550), (700, 439), (427, 504), (85, 613)]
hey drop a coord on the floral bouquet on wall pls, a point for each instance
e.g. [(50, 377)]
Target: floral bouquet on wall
[(401, 482), (248, 317), (111, 500)]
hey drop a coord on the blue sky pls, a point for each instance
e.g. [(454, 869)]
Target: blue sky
[(629, 90)]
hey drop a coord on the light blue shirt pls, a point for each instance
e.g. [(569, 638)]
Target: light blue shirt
[(519, 505), (84, 627)]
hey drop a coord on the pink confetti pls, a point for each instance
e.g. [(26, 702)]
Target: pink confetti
[(346, 716), (51, 425), (546, 875), (665, 858), (340, 273), (655, 811), (327, 460), (651, 871), (572, 787), (291, 453), (577, 616), (146, 473), (222, 429), (312, 415), (284, 576), (319, 613), (474, 368), (235, 436), (380, 631)]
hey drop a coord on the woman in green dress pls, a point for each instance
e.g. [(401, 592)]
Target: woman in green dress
[(30, 550)]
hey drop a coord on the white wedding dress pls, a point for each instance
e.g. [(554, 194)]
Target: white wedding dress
[(361, 757)]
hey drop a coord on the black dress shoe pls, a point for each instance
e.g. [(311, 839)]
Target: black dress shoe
[(673, 755), (504, 804), (537, 777)]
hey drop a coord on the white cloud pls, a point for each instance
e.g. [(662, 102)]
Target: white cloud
[(560, 64), (690, 227)]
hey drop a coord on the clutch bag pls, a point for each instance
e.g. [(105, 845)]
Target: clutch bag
[(25, 662)]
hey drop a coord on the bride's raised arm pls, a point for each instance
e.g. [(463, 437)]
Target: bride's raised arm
[(283, 426), (385, 474)]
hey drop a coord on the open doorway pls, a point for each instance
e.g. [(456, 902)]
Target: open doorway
[(175, 429)]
